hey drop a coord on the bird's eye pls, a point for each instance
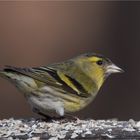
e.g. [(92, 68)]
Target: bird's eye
[(99, 62)]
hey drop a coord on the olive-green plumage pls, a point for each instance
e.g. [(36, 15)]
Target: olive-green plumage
[(62, 88)]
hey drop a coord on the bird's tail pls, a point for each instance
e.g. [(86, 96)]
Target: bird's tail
[(3, 73), (8, 72), (18, 77)]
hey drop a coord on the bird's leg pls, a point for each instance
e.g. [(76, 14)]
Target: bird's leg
[(67, 117), (71, 117), (47, 118)]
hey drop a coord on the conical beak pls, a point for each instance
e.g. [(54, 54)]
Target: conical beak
[(114, 69)]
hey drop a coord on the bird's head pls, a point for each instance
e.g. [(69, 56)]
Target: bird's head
[(97, 67)]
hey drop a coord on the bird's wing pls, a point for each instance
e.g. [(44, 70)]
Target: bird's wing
[(51, 76)]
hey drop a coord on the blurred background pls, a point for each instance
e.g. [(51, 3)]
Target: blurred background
[(40, 33)]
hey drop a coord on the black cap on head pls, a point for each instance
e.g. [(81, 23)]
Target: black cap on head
[(97, 55)]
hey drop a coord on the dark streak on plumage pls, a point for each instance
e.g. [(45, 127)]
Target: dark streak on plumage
[(77, 84)]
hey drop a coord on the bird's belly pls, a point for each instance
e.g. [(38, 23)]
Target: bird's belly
[(55, 107), (49, 105)]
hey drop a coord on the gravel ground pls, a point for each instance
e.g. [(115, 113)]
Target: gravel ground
[(35, 129)]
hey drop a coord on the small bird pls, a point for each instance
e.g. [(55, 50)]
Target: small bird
[(60, 89)]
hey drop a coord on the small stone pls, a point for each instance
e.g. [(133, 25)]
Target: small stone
[(74, 135), (137, 125)]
